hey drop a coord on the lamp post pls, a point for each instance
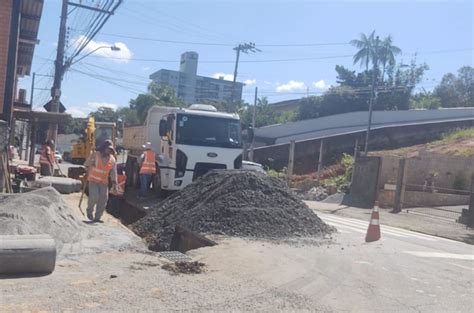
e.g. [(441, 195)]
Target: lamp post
[(113, 48)]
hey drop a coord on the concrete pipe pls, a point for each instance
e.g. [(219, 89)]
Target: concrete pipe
[(27, 254)]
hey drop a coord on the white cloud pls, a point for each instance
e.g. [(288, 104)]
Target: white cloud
[(122, 56), (250, 81), (266, 82), (321, 84), (95, 105), (226, 76), (292, 85), (145, 68), (77, 112)]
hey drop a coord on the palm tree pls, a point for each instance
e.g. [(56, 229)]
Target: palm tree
[(366, 46), (387, 53)]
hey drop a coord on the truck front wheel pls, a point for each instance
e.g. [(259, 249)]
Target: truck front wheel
[(157, 185)]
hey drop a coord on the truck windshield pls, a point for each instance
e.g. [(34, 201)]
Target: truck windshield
[(208, 131)]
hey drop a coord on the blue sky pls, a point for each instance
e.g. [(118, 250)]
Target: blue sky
[(441, 32)]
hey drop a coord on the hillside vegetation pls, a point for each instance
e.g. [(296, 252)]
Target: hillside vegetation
[(460, 143)]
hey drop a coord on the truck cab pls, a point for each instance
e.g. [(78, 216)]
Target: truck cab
[(194, 141)]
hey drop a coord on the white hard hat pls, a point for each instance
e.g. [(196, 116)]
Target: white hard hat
[(147, 145)]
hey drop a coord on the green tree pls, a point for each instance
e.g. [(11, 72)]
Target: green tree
[(425, 100), (104, 114), (310, 107), (265, 114), (387, 54), (72, 126), (160, 95), (457, 91), (366, 46)]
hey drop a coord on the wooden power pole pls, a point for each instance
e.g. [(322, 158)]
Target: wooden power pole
[(58, 71)]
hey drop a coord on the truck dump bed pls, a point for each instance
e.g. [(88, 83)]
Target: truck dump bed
[(134, 137)]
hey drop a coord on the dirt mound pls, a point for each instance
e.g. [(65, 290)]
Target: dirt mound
[(235, 203), (42, 211), (184, 267)]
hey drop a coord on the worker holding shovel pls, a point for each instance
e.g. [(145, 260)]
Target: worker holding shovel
[(99, 166)]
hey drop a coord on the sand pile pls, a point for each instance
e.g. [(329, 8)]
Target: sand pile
[(42, 211)]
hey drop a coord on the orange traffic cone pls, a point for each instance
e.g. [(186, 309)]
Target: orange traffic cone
[(373, 233)]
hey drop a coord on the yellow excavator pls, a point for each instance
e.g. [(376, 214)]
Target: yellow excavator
[(95, 134)]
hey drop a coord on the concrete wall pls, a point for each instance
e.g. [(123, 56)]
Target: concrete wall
[(5, 20), (388, 171), (364, 182), (450, 169), (414, 199)]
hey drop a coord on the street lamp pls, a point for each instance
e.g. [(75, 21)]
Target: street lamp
[(113, 48)]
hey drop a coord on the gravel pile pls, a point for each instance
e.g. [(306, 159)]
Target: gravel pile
[(234, 203), (42, 211)]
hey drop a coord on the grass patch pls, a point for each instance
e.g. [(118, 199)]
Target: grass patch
[(460, 134)]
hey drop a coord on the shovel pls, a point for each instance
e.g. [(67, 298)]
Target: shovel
[(82, 196)]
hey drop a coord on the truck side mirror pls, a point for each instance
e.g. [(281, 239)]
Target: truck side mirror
[(163, 128), (250, 134)]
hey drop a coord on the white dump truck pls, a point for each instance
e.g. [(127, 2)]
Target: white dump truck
[(187, 142)]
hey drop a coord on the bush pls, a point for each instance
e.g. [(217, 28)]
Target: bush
[(342, 182)]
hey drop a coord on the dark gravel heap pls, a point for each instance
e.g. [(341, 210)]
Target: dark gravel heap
[(234, 203)]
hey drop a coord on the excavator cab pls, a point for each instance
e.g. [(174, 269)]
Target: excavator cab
[(95, 134)]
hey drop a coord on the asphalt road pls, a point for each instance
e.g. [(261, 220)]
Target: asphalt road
[(405, 271)]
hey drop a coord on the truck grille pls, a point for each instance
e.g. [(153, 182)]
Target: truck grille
[(202, 168)]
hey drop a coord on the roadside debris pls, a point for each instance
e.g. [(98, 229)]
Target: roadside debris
[(316, 194), (234, 203), (184, 267)]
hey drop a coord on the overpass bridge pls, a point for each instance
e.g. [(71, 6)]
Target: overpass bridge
[(390, 129)]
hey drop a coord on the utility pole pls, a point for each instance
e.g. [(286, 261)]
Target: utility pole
[(58, 71), (244, 48), (28, 131), (372, 95), (61, 65), (252, 143)]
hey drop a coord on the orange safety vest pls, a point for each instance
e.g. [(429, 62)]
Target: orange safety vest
[(148, 165), (99, 173), (46, 157)]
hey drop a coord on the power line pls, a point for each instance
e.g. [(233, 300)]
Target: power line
[(222, 44)]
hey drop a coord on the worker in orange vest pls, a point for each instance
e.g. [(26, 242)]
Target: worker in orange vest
[(100, 165), (147, 169), (47, 158)]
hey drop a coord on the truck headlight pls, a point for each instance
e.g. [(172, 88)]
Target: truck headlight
[(181, 162), (238, 162)]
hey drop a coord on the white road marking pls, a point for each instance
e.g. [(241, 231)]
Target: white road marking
[(346, 227), (397, 232), (461, 266), (426, 254), (342, 223)]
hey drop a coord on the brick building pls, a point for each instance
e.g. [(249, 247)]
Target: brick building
[(19, 24)]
